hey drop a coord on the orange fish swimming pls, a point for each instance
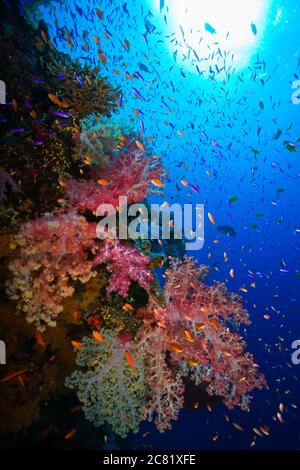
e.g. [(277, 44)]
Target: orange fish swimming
[(102, 57), (188, 336), (211, 218), (98, 336), (129, 359), (76, 344), (192, 362), (99, 13), (158, 183), (215, 324), (139, 145), (176, 347), (70, 434), (96, 39), (14, 374), (103, 182), (39, 338)]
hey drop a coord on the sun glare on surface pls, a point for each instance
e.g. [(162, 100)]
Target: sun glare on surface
[(201, 25)]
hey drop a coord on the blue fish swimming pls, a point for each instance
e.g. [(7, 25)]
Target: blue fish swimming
[(209, 28), (254, 28)]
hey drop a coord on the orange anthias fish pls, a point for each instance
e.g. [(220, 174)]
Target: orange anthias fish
[(54, 98), (39, 338), (14, 374), (192, 362), (102, 57), (136, 112), (211, 218), (140, 145), (70, 434), (14, 105), (176, 347), (129, 359), (103, 182), (96, 39), (188, 336), (158, 183), (238, 427), (127, 307), (215, 324), (98, 336), (99, 13), (68, 38), (76, 344)]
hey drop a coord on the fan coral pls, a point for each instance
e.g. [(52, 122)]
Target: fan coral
[(129, 175), (54, 249), (126, 264), (110, 389)]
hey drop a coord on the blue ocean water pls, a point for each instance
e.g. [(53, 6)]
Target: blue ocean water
[(227, 127)]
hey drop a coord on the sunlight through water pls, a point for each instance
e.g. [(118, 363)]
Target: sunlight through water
[(199, 28)]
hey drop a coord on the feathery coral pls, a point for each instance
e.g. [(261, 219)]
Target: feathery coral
[(54, 249), (111, 391), (129, 175), (197, 317), (126, 264)]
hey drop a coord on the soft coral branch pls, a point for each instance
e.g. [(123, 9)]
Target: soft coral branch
[(126, 264), (129, 175), (54, 249)]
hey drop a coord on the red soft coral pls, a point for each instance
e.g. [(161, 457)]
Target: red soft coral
[(129, 175), (126, 264)]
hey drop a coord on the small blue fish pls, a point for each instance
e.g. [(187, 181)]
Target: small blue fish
[(17, 130), (209, 28), (254, 28), (35, 80), (60, 113)]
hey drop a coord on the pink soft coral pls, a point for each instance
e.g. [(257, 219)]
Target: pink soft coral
[(197, 318), (126, 264), (54, 249), (129, 175)]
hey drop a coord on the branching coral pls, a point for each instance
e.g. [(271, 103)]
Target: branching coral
[(126, 264), (196, 316), (110, 389), (166, 385), (129, 174), (188, 336), (54, 250)]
